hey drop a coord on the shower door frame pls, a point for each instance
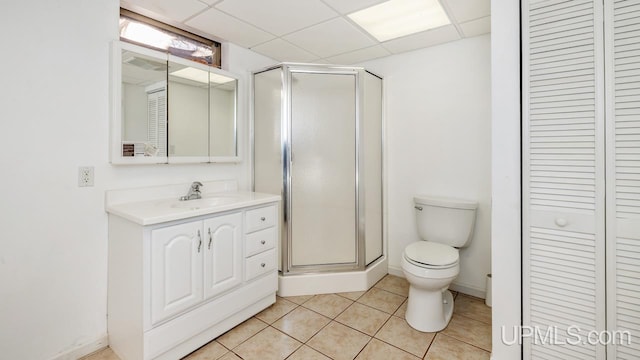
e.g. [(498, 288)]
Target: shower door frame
[(286, 71), (359, 242)]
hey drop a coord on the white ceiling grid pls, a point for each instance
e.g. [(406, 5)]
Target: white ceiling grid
[(308, 30)]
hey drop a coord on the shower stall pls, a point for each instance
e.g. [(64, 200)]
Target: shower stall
[(317, 142)]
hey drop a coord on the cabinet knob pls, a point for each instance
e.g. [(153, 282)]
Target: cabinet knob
[(263, 265), (263, 242), (263, 218), (562, 222)]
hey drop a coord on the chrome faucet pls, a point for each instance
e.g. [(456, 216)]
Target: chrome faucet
[(194, 192)]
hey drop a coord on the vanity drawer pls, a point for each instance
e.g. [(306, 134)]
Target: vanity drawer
[(260, 241), (261, 218), (260, 264)]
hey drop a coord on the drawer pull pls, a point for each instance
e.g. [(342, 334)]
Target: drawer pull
[(263, 265), (262, 242), (263, 218)]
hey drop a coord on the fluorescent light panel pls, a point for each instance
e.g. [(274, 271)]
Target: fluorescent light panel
[(201, 76), (396, 18)]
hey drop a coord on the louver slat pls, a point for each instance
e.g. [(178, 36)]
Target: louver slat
[(562, 172)]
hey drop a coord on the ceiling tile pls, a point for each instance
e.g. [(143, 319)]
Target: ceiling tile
[(359, 55), (211, 2), (281, 50), (427, 38), (476, 27), (171, 9), (347, 7), (330, 38), (278, 17), (465, 10), (229, 28)]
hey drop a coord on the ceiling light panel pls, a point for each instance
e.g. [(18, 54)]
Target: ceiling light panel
[(193, 74), (396, 18)]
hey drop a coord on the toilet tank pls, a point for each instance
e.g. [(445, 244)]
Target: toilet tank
[(445, 220)]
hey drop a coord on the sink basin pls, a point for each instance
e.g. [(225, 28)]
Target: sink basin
[(204, 202)]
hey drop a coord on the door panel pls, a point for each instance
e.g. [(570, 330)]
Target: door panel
[(222, 268), (622, 22), (563, 176), (176, 268), (323, 169)]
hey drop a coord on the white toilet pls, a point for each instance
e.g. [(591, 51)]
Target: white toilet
[(432, 264)]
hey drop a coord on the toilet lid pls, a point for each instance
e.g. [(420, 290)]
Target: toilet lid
[(430, 253)]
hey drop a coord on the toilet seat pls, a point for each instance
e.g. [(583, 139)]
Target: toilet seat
[(427, 254)]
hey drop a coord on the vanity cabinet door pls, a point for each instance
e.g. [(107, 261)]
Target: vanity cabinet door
[(176, 269), (223, 253)]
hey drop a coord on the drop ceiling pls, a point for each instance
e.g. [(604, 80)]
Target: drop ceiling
[(308, 30)]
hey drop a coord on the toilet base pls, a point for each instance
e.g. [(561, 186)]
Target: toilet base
[(429, 311)]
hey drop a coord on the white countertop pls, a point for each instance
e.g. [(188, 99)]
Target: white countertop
[(149, 212)]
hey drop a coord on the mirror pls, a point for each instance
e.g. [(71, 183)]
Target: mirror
[(143, 106), (168, 109), (222, 116), (188, 111)]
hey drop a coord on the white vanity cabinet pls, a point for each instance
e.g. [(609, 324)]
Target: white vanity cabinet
[(194, 261), (176, 269), (260, 241), (175, 285), (223, 253)]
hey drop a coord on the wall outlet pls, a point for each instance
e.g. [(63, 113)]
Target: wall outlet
[(85, 176)]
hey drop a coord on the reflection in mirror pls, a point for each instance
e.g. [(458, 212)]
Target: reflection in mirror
[(222, 104), (188, 111), (169, 109), (143, 105)]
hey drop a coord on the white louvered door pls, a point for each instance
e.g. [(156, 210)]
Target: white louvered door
[(157, 120), (563, 177), (622, 38)]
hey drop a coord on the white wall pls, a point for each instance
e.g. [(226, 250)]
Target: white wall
[(506, 228), (53, 247), (438, 119)]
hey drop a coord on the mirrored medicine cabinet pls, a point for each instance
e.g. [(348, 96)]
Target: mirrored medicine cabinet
[(166, 109)]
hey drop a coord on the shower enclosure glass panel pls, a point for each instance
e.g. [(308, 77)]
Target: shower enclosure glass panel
[(317, 141), (323, 169)]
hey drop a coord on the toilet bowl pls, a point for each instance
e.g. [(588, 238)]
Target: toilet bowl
[(430, 265)]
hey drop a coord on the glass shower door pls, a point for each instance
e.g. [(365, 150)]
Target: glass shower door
[(323, 193)]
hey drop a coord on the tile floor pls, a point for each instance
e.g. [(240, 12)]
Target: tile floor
[(356, 325)]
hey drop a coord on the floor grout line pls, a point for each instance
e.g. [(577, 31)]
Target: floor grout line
[(370, 338)]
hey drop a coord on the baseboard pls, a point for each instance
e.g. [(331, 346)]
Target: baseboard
[(396, 271), (468, 290), (461, 288), (84, 350)]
